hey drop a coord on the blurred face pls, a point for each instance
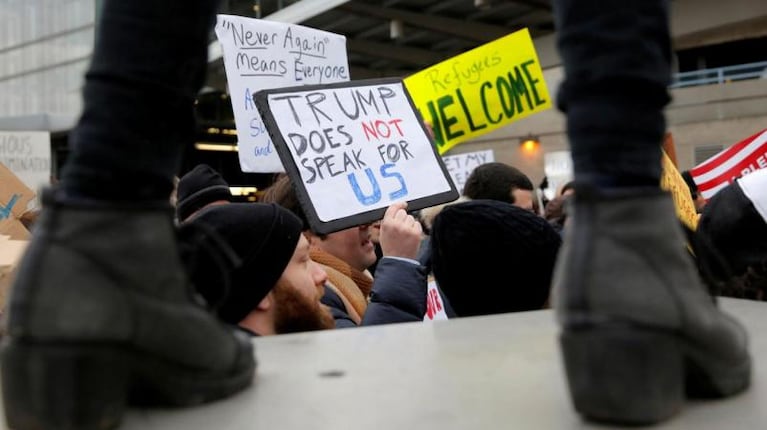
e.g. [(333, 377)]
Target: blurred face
[(298, 292), (352, 245), (523, 198)]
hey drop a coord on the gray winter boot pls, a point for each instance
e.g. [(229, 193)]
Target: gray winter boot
[(101, 314), (639, 331)]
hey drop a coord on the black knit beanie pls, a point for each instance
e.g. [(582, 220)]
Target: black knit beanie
[(492, 257), (732, 230), (262, 238), (199, 187)]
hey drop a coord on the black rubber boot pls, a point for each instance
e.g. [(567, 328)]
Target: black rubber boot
[(102, 314), (639, 331)]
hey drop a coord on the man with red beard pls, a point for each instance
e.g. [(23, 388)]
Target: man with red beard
[(251, 264), (398, 291)]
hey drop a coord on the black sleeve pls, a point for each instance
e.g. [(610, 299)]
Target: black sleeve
[(399, 293)]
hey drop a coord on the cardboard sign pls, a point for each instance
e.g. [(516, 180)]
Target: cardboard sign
[(14, 195), (352, 149), (28, 155), (14, 229), (738, 160), (460, 166), (481, 90), (261, 54), (11, 252), (671, 180)]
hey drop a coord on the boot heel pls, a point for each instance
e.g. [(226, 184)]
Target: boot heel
[(63, 386), (623, 375)]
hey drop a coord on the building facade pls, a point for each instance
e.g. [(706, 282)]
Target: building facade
[(45, 46)]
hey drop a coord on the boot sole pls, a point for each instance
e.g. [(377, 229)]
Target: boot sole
[(633, 376), (76, 386)]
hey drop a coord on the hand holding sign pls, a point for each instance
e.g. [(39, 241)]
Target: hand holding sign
[(352, 149), (400, 232)]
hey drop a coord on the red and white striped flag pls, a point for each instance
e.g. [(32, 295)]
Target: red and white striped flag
[(740, 159)]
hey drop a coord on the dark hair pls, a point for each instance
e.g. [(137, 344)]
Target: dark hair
[(731, 235), (282, 192), (495, 181), (752, 284)]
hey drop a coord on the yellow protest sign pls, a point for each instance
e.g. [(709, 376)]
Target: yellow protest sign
[(480, 90), (671, 180)]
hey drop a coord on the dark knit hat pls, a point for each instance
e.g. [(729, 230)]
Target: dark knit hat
[(492, 257), (732, 230), (199, 187), (262, 238)]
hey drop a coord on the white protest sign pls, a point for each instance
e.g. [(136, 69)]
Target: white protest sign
[(558, 167), (261, 54), (28, 155), (354, 148), (435, 308), (460, 166)]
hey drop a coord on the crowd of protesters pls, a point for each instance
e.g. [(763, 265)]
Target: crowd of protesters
[(103, 304)]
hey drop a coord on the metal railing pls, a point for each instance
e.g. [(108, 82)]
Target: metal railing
[(720, 75)]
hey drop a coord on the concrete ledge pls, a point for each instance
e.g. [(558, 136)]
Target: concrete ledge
[(494, 372)]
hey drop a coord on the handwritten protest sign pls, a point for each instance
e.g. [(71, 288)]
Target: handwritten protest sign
[(261, 54), (740, 159), (28, 155), (435, 308), (14, 194), (14, 199), (354, 148), (481, 90), (460, 166), (671, 180), (558, 167)]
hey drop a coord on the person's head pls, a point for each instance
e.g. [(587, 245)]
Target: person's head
[(352, 245), (258, 274), (555, 211), (200, 187), (295, 298), (492, 257), (499, 181), (731, 238)]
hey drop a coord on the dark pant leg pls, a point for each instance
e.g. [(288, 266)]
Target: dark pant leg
[(616, 55), (139, 98)]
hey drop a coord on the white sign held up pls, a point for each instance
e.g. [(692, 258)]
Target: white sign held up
[(460, 166), (352, 149), (260, 54)]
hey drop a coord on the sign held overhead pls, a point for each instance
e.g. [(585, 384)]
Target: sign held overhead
[(481, 90), (352, 149), (261, 54)]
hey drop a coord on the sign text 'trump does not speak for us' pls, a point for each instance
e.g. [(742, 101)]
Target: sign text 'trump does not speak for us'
[(481, 90), (354, 148)]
